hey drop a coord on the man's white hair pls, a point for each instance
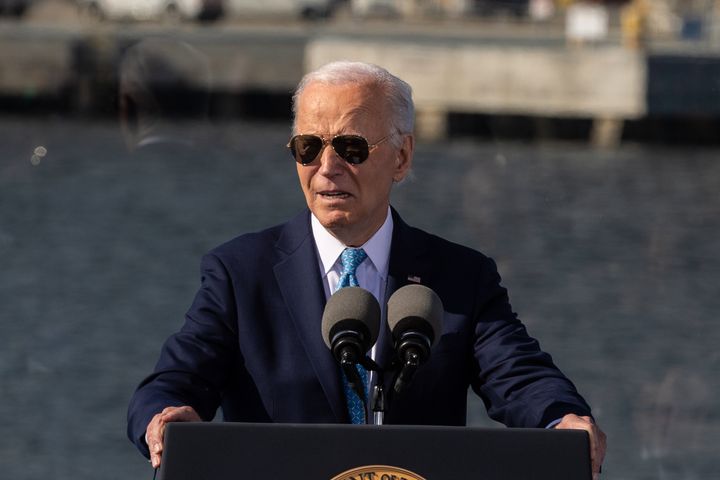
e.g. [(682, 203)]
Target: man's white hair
[(398, 93)]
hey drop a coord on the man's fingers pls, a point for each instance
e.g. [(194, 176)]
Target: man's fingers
[(153, 437), (597, 445), (156, 429), (154, 440), (155, 459), (597, 438), (601, 446)]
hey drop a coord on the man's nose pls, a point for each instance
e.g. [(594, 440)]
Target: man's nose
[(330, 162)]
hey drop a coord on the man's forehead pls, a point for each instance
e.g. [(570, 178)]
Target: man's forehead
[(347, 100)]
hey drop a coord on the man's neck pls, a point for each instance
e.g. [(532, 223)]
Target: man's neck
[(377, 247), (356, 236)]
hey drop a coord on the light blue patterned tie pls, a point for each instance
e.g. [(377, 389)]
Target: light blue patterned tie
[(351, 258)]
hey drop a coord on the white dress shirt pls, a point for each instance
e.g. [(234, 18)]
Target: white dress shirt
[(371, 274)]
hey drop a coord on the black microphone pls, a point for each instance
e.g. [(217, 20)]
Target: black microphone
[(350, 326), (415, 319)]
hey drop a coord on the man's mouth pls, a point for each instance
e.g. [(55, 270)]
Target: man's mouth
[(334, 194)]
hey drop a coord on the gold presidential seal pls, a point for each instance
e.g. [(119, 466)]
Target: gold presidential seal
[(378, 472)]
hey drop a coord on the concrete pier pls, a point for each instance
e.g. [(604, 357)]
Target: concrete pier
[(453, 68), (606, 84)]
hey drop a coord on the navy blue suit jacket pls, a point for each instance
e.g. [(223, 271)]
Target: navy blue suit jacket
[(251, 342)]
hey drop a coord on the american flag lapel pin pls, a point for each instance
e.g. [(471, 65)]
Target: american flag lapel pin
[(413, 278)]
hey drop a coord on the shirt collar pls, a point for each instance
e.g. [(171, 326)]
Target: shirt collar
[(377, 247)]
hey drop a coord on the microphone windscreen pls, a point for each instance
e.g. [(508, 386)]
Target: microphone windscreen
[(415, 307), (355, 309)]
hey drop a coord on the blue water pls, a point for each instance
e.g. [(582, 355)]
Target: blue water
[(611, 259)]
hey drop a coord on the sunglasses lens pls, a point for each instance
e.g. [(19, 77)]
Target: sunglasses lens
[(305, 148), (351, 148)]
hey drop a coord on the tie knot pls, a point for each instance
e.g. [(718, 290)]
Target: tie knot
[(350, 258)]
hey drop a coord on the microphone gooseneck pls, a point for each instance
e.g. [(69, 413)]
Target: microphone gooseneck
[(350, 326), (415, 320)]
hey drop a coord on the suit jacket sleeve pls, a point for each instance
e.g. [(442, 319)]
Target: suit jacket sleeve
[(195, 362), (518, 382)]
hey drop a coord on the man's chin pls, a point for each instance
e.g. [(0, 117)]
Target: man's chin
[(333, 220)]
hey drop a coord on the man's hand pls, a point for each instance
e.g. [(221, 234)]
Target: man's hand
[(156, 429), (597, 438)]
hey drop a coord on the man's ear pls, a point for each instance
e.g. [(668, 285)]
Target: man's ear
[(403, 161)]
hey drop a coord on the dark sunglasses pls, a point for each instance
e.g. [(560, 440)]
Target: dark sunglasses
[(353, 149)]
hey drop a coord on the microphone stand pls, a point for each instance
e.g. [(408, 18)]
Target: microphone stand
[(347, 363), (377, 403), (347, 350)]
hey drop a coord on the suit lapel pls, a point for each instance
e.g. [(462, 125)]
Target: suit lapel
[(409, 263), (298, 277)]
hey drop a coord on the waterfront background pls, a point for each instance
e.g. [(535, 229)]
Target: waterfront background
[(610, 258), (609, 252)]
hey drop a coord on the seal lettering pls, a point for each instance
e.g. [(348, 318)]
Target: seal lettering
[(378, 472)]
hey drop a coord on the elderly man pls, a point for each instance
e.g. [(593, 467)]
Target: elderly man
[(251, 342)]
